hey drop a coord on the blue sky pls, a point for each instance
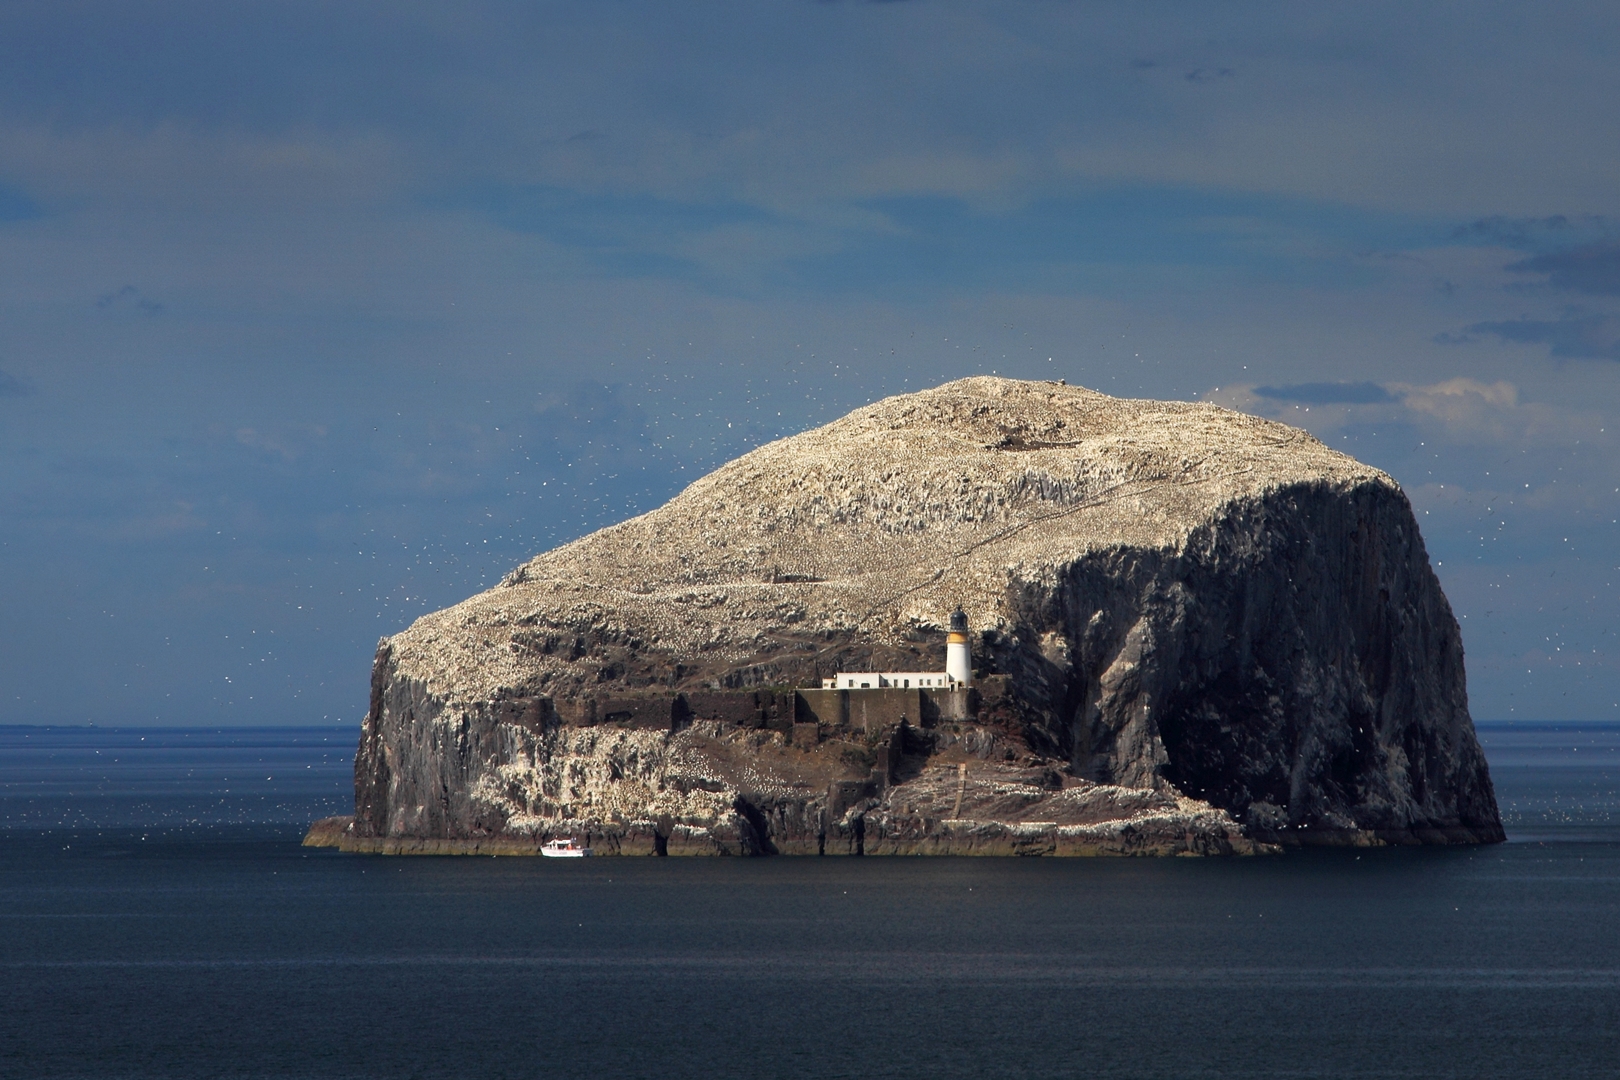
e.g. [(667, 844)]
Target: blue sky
[(316, 317)]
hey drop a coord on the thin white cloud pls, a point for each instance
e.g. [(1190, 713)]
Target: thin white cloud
[(1462, 410)]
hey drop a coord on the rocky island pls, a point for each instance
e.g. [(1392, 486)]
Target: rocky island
[(1191, 631)]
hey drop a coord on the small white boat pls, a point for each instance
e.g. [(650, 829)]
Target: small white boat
[(564, 849)]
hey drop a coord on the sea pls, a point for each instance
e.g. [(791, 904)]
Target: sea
[(159, 918)]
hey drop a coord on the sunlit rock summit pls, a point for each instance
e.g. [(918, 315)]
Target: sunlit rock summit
[(1191, 630)]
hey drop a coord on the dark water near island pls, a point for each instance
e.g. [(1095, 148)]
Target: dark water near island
[(158, 919)]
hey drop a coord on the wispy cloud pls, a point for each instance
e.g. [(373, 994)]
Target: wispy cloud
[(1466, 412), (289, 444), (1527, 232), (1574, 335), (1593, 269), (128, 297), (1327, 393)]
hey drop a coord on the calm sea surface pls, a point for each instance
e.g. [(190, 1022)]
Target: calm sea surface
[(158, 919)]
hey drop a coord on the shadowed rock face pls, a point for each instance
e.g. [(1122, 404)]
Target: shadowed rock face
[(1214, 634)]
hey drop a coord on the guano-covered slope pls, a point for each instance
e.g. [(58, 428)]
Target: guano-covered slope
[(1195, 630)]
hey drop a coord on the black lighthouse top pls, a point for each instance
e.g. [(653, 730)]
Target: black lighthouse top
[(958, 622)]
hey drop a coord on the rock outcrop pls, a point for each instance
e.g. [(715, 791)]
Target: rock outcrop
[(1196, 631)]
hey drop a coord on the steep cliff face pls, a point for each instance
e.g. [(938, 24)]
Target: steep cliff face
[(1200, 631)]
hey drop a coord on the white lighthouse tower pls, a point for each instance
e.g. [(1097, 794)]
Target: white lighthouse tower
[(958, 657)]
